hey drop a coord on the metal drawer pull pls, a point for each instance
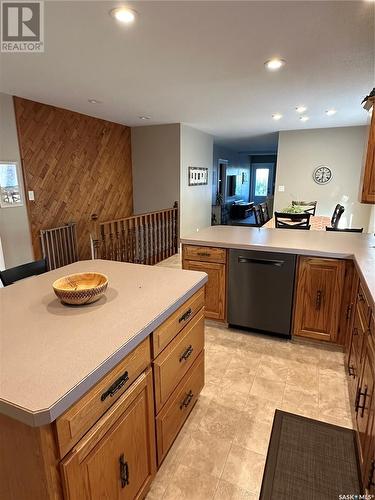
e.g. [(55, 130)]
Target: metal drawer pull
[(355, 331), (116, 386), (318, 300), (351, 371), (184, 356), (203, 254), (265, 262), (185, 403), (186, 315), (124, 471), (360, 297), (358, 399)]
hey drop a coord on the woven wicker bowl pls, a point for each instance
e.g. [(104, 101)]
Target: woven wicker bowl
[(80, 288)]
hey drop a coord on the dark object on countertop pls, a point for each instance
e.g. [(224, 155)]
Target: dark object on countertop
[(309, 459), (345, 229), (10, 276), (310, 206), (286, 220), (336, 216)]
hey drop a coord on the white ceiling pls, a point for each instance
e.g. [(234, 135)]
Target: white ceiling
[(201, 63)]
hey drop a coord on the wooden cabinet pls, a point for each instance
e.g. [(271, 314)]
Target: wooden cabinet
[(368, 187), (213, 262), (319, 291), (116, 458), (173, 415), (176, 359)]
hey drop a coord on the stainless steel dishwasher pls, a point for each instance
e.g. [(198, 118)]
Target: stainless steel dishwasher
[(260, 290)]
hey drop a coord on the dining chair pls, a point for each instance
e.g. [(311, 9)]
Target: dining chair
[(311, 206), (336, 216), (345, 229), (258, 213), (13, 274), (285, 220), (265, 211)]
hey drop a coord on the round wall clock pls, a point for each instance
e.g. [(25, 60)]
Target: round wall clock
[(322, 174)]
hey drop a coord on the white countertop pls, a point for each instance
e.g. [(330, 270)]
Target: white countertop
[(51, 354), (359, 247)]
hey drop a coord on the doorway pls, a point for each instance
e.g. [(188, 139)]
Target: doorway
[(263, 173)]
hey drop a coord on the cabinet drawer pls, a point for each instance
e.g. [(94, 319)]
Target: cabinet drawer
[(78, 419), (205, 254), (176, 359), (173, 415), (116, 458), (363, 305), (176, 322)]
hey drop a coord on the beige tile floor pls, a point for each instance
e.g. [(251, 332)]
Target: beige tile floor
[(221, 450)]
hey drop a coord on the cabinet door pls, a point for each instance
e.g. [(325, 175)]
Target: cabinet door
[(364, 402), (368, 189), (319, 296), (116, 459), (215, 290), (355, 353)]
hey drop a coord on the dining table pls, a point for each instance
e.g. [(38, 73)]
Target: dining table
[(317, 223)]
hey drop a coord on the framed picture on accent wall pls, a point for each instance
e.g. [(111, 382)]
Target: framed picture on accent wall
[(10, 189), (198, 176)]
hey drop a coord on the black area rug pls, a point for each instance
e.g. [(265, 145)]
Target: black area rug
[(309, 460)]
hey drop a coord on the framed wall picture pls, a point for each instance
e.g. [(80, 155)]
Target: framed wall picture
[(198, 176), (10, 188)]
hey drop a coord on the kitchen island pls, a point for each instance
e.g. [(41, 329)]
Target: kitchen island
[(77, 383)]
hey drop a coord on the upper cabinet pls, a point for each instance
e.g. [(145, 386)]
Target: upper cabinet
[(368, 188)]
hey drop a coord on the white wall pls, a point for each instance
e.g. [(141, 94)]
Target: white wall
[(195, 201), (342, 149), (156, 166), (14, 224)]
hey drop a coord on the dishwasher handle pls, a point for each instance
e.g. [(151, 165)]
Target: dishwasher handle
[(265, 262)]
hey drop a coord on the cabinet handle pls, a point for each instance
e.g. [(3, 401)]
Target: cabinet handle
[(349, 312), (184, 356), (116, 386), (124, 471), (318, 300), (203, 254), (351, 371), (355, 331), (358, 406), (360, 297), (186, 401), (186, 315)]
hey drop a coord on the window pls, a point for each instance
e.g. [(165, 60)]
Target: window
[(261, 181), (10, 190)]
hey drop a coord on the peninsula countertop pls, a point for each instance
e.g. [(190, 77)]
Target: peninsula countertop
[(359, 247), (51, 354)]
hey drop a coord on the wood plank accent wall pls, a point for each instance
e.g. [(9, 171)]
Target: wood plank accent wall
[(76, 165)]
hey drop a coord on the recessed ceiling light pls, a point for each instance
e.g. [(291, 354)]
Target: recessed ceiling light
[(124, 15), (94, 101), (301, 109), (331, 112), (274, 64), (144, 117), (277, 116), (304, 118)]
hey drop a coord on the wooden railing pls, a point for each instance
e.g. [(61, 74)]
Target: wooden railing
[(59, 245), (142, 239)]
